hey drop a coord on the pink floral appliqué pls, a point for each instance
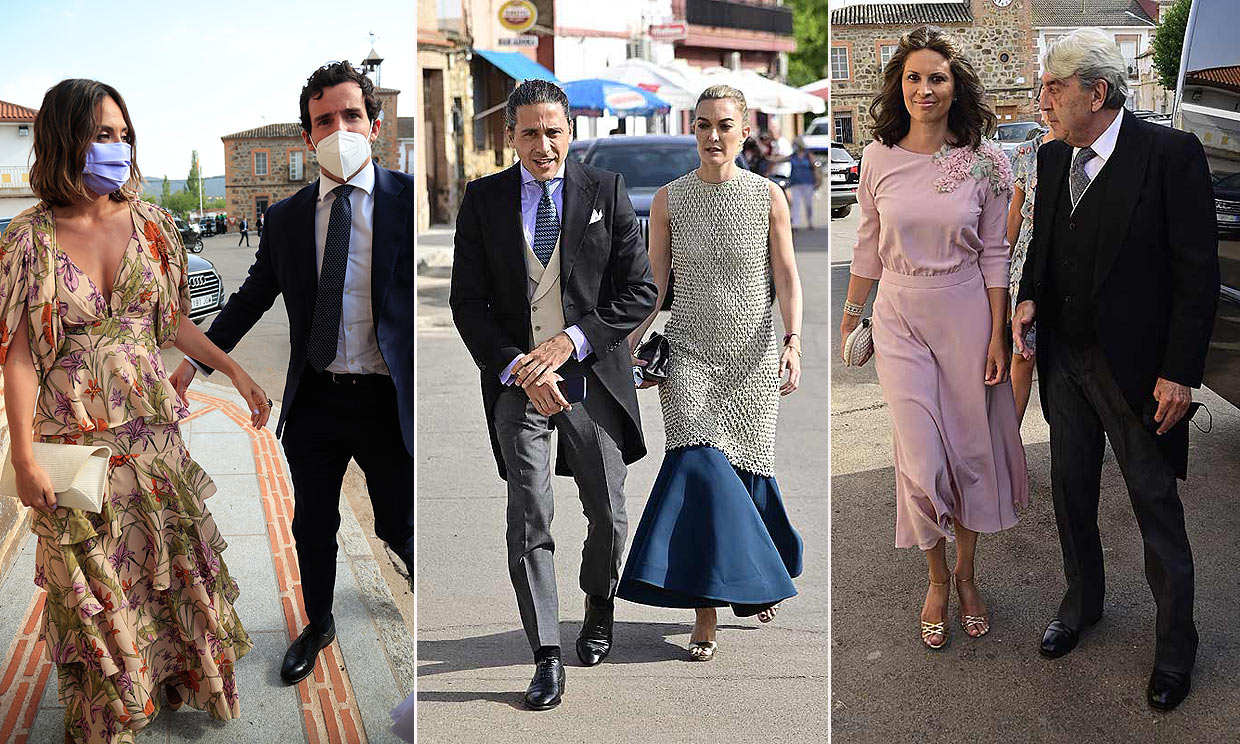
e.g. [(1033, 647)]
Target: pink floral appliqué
[(986, 163)]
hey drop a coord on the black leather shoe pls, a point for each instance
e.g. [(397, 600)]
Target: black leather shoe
[(1168, 689), (594, 643), (1058, 639), (547, 686), (300, 657)]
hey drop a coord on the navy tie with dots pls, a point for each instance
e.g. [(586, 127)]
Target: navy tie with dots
[(325, 328), (546, 225)]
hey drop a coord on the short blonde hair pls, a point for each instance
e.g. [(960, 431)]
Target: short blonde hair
[(1091, 55), (724, 92)]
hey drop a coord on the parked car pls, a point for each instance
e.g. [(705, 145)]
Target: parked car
[(206, 289), (845, 175), (1153, 116), (206, 226), (817, 139), (1011, 134), (1205, 104), (647, 163), (190, 235)]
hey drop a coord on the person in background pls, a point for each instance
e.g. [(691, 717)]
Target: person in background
[(244, 227), (802, 182)]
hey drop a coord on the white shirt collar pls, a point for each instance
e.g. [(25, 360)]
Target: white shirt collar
[(527, 177), (1105, 144), (364, 180)]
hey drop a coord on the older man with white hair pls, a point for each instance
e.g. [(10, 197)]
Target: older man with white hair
[(1122, 277)]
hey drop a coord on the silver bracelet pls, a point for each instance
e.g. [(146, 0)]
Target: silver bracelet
[(852, 308)]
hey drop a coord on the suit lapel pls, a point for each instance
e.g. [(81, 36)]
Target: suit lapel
[(580, 191), (1051, 178), (505, 213), (390, 221), (1127, 166), (301, 244)]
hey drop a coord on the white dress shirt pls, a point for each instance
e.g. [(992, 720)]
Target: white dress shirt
[(357, 346), (1103, 148)]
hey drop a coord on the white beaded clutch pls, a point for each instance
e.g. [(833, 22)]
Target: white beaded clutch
[(859, 346), (79, 473)]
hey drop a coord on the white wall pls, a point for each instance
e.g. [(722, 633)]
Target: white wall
[(11, 206), (14, 150)]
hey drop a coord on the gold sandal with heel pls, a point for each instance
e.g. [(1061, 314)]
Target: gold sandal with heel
[(929, 630)]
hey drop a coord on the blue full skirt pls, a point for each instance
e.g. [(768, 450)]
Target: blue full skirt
[(711, 536)]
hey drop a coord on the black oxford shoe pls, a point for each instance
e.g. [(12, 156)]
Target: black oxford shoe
[(547, 686), (594, 643), (1168, 689), (1058, 640), (300, 657)]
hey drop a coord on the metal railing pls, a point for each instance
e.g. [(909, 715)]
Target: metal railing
[(14, 177)]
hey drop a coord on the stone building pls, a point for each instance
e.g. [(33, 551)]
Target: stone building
[(272, 162), (999, 41)]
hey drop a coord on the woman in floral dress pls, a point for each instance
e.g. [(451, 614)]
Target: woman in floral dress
[(1020, 234), (93, 284), (934, 201)]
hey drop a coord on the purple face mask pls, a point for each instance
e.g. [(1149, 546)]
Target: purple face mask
[(107, 166)]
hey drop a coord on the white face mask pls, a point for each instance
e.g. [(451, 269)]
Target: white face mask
[(343, 153)]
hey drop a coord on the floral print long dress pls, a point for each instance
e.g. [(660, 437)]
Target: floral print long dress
[(138, 595)]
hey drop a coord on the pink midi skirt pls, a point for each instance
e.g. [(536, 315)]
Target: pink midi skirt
[(958, 455)]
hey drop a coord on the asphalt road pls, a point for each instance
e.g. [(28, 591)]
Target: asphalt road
[(766, 683), (887, 687)]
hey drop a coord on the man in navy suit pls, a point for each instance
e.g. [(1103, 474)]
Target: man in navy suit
[(340, 251)]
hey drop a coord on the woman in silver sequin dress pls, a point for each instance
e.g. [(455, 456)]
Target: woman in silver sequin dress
[(714, 532)]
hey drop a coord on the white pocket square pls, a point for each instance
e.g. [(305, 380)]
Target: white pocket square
[(595, 216)]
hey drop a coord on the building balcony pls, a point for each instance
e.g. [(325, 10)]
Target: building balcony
[(14, 178), (774, 19)]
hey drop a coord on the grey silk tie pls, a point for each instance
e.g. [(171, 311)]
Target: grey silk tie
[(325, 328), (546, 225), (1078, 179)]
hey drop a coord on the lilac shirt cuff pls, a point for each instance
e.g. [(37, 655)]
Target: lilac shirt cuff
[(582, 346)]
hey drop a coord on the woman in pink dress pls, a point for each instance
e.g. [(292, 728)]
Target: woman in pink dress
[(934, 201)]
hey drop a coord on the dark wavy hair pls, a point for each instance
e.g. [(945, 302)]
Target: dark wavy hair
[(64, 129), (969, 119), (335, 73)]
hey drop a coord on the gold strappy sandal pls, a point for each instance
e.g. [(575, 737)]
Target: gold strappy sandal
[(975, 626), (702, 650), (936, 629)]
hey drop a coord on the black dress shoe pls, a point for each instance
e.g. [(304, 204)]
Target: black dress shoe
[(300, 657), (1167, 689), (1058, 639), (594, 643), (547, 686)]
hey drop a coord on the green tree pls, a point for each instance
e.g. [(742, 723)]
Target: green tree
[(191, 181), (165, 192), (1169, 42), (809, 23), (180, 203)]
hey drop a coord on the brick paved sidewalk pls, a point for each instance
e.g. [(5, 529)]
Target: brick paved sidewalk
[(365, 673)]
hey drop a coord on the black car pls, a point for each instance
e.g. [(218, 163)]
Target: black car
[(206, 289), (190, 235), (845, 175)]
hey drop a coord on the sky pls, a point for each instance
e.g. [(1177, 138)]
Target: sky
[(193, 72)]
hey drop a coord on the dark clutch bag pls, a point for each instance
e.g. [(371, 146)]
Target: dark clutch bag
[(656, 352)]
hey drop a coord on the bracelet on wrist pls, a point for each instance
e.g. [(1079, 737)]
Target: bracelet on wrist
[(852, 308)]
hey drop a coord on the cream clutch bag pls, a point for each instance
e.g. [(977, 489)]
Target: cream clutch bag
[(859, 346), (79, 474)]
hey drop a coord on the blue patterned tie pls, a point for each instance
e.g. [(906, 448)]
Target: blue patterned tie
[(1078, 179), (325, 328), (546, 225)]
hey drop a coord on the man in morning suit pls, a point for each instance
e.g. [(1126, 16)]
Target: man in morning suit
[(549, 277), (1122, 277), (340, 251)]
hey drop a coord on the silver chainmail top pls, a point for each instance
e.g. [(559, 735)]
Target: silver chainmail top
[(722, 388)]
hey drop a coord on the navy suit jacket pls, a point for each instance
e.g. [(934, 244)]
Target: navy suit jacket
[(285, 264)]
